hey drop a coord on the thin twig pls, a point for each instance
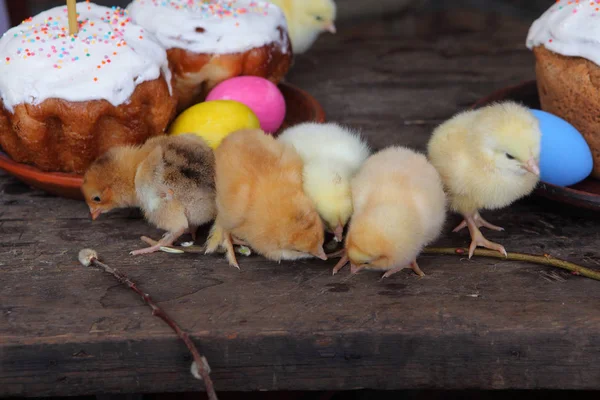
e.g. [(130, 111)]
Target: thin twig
[(200, 368), (545, 259)]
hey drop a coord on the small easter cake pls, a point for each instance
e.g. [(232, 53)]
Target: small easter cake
[(209, 41), (67, 99), (566, 43)]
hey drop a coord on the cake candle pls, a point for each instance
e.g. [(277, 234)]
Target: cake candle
[(73, 26)]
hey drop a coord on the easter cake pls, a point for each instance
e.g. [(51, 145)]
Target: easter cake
[(566, 44), (209, 41), (66, 99)]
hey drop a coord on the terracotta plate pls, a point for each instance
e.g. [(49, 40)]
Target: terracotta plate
[(301, 107), (585, 194)]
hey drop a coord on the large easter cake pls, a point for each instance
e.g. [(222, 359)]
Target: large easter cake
[(209, 41), (67, 99), (566, 43)]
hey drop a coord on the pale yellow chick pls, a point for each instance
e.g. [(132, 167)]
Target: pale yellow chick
[(332, 155), (260, 200), (399, 207), (171, 178), (306, 20), (487, 158)]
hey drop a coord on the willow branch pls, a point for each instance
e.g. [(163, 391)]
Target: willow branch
[(545, 259), (200, 368)]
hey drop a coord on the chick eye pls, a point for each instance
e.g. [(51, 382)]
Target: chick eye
[(318, 18), (510, 157), (96, 199)]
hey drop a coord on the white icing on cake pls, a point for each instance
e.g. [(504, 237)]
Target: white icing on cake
[(570, 28), (106, 60), (215, 26)]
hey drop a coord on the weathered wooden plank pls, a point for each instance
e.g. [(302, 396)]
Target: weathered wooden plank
[(65, 329)]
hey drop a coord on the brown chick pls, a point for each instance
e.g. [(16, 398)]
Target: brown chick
[(171, 178), (260, 200)]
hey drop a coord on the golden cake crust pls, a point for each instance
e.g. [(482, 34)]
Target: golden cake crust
[(195, 74), (63, 136), (569, 87)]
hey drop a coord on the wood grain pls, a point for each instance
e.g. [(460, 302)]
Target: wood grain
[(68, 330)]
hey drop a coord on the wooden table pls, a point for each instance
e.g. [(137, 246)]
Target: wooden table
[(65, 329)]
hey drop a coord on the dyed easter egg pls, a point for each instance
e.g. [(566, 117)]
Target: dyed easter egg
[(261, 95), (214, 120), (565, 157)]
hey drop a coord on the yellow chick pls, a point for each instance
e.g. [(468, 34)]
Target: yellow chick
[(487, 158), (171, 178), (399, 207), (306, 20), (332, 155)]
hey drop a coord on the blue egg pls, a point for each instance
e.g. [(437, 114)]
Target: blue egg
[(565, 157)]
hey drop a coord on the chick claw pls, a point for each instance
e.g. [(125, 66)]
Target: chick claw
[(341, 264), (230, 252), (479, 222), (477, 239), (167, 240), (413, 265), (219, 238)]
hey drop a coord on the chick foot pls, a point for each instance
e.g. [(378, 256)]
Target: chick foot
[(230, 252), (167, 240), (413, 265), (479, 222), (219, 238), (477, 239), (336, 254), (239, 242), (342, 263), (193, 230)]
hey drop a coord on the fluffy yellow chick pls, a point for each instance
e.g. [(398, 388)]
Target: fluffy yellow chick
[(306, 20), (487, 158), (260, 200), (171, 178), (399, 207), (332, 155)]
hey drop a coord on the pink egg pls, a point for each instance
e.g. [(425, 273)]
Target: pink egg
[(259, 94)]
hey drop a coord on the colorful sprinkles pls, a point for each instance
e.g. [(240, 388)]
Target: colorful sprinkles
[(210, 8), (575, 7), (50, 38)]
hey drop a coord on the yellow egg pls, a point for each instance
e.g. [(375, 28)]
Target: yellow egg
[(214, 120)]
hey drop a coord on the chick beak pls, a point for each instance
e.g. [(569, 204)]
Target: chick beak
[(339, 233), (331, 28), (321, 254), (355, 268), (95, 213), (532, 167)]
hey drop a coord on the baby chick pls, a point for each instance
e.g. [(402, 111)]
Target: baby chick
[(399, 207), (332, 155), (171, 178), (260, 201), (306, 20), (487, 158)]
